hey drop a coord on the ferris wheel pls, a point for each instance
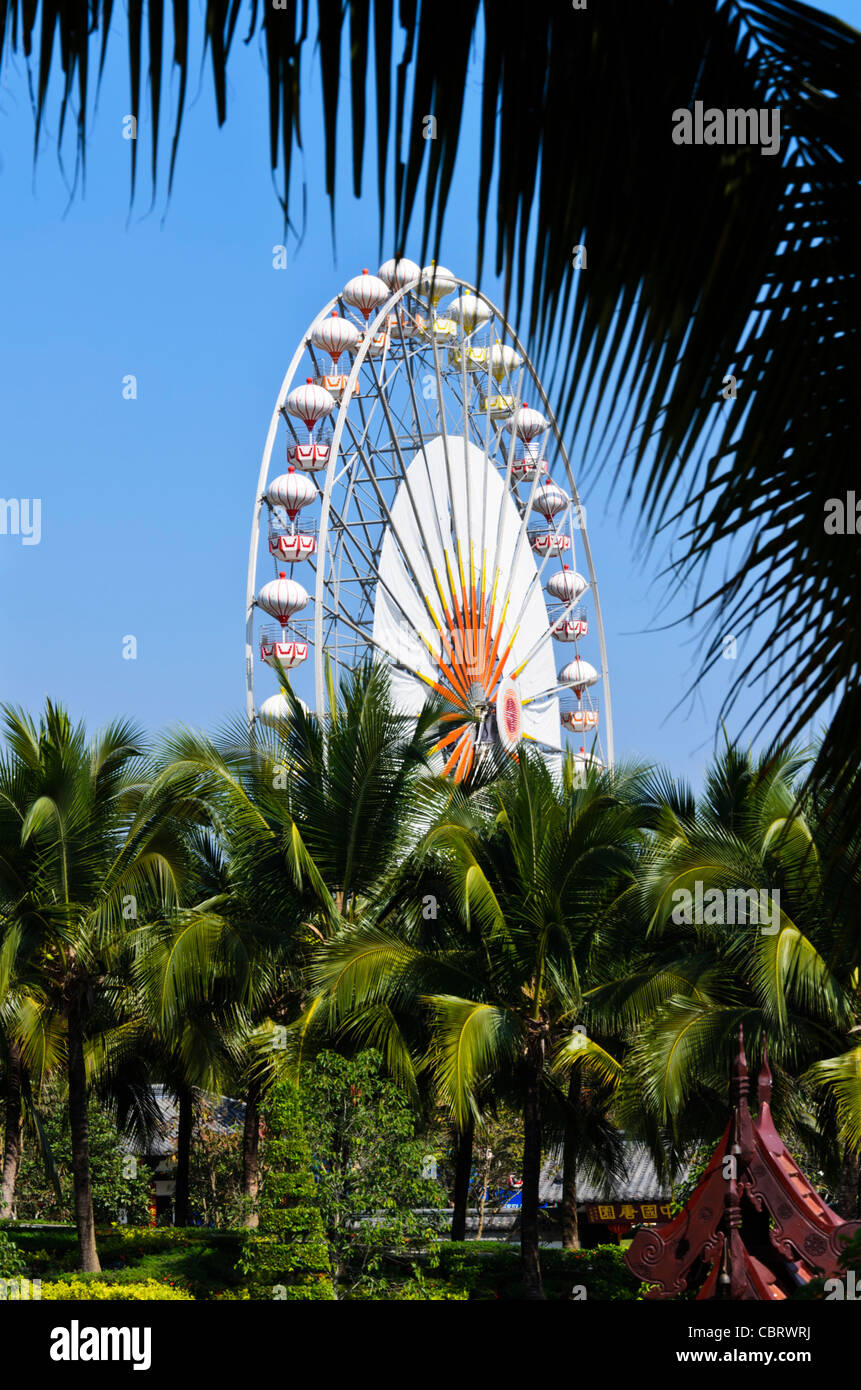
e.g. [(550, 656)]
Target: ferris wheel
[(423, 511)]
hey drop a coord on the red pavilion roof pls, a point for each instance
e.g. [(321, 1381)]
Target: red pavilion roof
[(754, 1222)]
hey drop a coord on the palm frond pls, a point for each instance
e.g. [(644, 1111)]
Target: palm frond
[(841, 1076), (471, 1042), (584, 1052)]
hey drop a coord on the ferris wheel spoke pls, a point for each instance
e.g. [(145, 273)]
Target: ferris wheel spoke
[(464, 604), (467, 582), (443, 430), (405, 558), (368, 640), (557, 689), (533, 586), (534, 582), (409, 491), (379, 580), (443, 425), (352, 496), (501, 520), (369, 556), (451, 694), (524, 521), (477, 599), (396, 416), (371, 476), (365, 418)]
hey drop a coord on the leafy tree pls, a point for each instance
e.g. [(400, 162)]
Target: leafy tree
[(17, 862), (121, 1184), (311, 818), (191, 1015), (101, 853), (288, 1257), (375, 1173), (215, 1187), (12, 1262), (497, 1155)]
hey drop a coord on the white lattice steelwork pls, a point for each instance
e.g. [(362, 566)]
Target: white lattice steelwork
[(442, 523)]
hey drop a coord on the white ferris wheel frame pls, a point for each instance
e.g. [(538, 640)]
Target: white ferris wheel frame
[(373, 326)]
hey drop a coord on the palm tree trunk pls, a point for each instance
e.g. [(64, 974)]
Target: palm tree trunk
[(12, 1135), (531, 1175), (183, 1157), (485, 1182), (462, 1171), (570, 1229), (80, 1134), (848, 1202), (251, 1152)]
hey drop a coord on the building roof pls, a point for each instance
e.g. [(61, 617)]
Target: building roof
[(640, 1183), (226, 1117)]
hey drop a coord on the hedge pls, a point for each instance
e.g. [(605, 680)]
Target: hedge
[(83, 1290), (490, 1270), (288, 1256)]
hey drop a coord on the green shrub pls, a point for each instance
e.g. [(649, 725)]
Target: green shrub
[(411, 1290), (379, 1203), (12, 1261), (81, 1290), (602, 1271), (200, 1261), (153, 1238), (487, 1270)]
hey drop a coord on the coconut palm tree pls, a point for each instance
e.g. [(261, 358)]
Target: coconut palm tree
[(12, 1088), (22, 1118), (101, 854), (736, 926), (411, 909), (189, 1044), (11, 1060), (528, 875), (311, 817)]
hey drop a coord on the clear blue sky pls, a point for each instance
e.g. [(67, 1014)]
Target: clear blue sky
[(147, 503)]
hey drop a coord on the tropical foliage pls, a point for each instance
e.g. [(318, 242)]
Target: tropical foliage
[(121, 1190), (398, 975), (375, 1171), (768, 951)]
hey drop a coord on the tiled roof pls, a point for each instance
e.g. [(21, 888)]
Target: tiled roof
[(228, 1116), (640, 1183)]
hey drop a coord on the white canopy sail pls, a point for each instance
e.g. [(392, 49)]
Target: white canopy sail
[(455, 535)]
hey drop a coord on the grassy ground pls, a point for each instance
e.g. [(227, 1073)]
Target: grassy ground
[(202, 1262)]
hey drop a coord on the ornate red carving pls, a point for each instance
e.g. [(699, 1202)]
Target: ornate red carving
[(723, 1236)]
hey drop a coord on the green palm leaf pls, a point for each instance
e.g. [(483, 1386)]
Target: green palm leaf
[(471, 1042), (841, 1077)]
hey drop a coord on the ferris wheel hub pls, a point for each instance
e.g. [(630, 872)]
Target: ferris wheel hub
[(477, 695)]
